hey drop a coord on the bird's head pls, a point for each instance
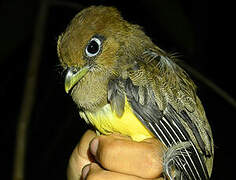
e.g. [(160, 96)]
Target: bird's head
[(96, 44)]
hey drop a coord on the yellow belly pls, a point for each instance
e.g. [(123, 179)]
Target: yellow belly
[(108, 122)]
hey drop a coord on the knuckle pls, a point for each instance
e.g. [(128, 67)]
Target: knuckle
[(153, 162), (107, 153)]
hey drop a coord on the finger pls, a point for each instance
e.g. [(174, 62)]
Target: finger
[(80, 156), (95, 172), (83, 146), (121, 154)]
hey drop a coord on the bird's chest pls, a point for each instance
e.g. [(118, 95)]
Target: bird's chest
[(108, 122)]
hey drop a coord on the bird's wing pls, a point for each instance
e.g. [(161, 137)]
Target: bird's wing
[(167, 122), (168, 128)]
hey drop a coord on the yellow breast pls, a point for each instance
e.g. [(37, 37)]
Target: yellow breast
[(108, 122)]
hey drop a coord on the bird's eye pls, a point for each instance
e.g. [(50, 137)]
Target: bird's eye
[(93, 47)]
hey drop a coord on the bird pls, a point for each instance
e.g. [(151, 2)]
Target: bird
[(123, 83)]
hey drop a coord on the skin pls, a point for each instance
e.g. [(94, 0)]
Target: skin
[(115, 157)]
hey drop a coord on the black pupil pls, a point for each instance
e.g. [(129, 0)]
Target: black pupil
[(93, 47)]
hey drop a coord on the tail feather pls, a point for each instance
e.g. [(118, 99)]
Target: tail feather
[(171, 161)]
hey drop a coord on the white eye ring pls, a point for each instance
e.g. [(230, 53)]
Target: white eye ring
[(93, 47)]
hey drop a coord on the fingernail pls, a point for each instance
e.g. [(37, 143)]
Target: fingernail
[(94, 146), (85, 171)]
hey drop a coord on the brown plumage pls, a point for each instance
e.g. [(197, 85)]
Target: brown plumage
[(122, 63)]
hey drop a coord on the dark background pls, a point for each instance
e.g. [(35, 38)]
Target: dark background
[(55, 126)]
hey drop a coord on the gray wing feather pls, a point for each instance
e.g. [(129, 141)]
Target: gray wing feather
[(168, 128)]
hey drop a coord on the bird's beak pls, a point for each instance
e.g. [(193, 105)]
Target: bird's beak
[(73, 76)]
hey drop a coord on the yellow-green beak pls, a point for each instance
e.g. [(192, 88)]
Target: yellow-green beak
[(73, 76)]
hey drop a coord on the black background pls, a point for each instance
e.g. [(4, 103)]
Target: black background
[(55, 126)]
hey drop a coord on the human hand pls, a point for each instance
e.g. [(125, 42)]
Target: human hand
[(115, 157)]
